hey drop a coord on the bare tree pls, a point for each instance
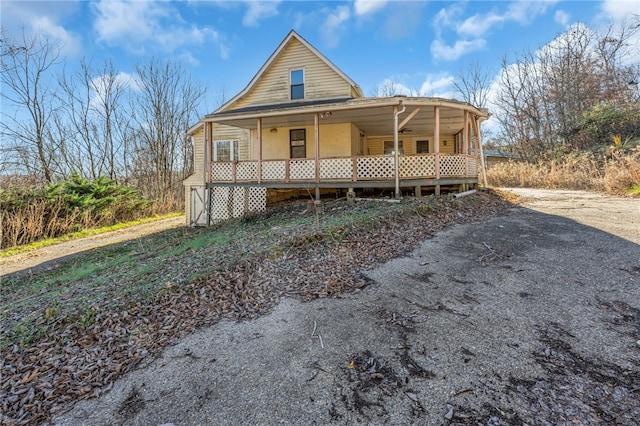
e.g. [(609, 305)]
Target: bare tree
[(96, 114), (25, 126), (545, 94), (164, 107), (474, 84), (391, 88)]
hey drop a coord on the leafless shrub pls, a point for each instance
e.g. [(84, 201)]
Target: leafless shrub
[(584, 171)]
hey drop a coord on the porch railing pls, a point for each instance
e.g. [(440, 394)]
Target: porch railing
[(359, 168)]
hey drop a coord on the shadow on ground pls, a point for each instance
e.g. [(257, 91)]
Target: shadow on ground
[(525, 318)]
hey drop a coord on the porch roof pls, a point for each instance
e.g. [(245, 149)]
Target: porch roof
[(373, 116)]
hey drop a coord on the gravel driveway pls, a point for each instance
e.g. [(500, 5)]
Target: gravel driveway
[(48, 257), (532, 317)]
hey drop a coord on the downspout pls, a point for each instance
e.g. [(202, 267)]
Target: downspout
[(396, 160)]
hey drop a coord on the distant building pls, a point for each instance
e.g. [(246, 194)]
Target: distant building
[(494, 156)]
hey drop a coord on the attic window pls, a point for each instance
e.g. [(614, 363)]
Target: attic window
[(297, 84)]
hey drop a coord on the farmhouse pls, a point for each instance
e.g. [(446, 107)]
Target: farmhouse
[(302, 125)]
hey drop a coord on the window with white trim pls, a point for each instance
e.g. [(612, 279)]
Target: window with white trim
[(225, 151), (296, 78)]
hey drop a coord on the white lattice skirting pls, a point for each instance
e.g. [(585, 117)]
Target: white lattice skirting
[(231, 202)]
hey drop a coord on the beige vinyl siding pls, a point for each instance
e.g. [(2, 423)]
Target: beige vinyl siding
[(375, 145), (222, 132), (320, 81), (197, 177), (450, 147), (336, 140), (355, 141)]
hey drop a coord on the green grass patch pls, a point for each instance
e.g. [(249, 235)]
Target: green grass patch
[(634, 191)]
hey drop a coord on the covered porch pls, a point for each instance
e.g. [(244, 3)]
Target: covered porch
[(395, 143), (391, 142), (347, 172)]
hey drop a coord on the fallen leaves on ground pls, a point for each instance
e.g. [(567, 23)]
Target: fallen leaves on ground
[(71, 362)]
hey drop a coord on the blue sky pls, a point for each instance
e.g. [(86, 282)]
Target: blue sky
[(421, 45)]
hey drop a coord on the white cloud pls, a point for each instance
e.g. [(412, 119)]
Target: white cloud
[(122, 80), (479, 25), (441, 50), (19, 16), (365, 7), (522, 12), (100, 86), (617, 15), (438, 86), (561, 17), (333, 25), (618, 10), (138, 26), (69, 42), (446, 18), (259, 10)]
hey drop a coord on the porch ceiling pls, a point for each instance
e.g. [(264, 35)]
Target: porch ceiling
[(373, 120)]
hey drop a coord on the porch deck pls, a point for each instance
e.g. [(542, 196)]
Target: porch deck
[(359, 171)]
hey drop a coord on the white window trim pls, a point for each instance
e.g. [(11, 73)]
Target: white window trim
[(304, 81), (232, 146)]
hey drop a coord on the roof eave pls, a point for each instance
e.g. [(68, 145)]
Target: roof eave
[(353, 103)]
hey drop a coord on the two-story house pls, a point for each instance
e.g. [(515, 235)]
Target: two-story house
[(301, 124)]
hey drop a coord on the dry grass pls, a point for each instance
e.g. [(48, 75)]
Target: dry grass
[(69, 332), (623, 174), (618, 173)]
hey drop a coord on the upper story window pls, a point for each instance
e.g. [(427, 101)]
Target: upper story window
[(297, 84)]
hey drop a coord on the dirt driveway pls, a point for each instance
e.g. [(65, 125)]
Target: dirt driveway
[(48, 257), (532, 317)]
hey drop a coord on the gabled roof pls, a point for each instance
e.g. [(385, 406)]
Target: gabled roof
[(292, 34)]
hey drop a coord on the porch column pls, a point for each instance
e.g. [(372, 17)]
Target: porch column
[(207, 152), (259, 131), (436, 145), (396, 153), (465, 133), (316, 131), (465, 146), (480, 151)]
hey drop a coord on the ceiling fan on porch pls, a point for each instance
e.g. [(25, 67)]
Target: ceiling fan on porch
[(403, 131)]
